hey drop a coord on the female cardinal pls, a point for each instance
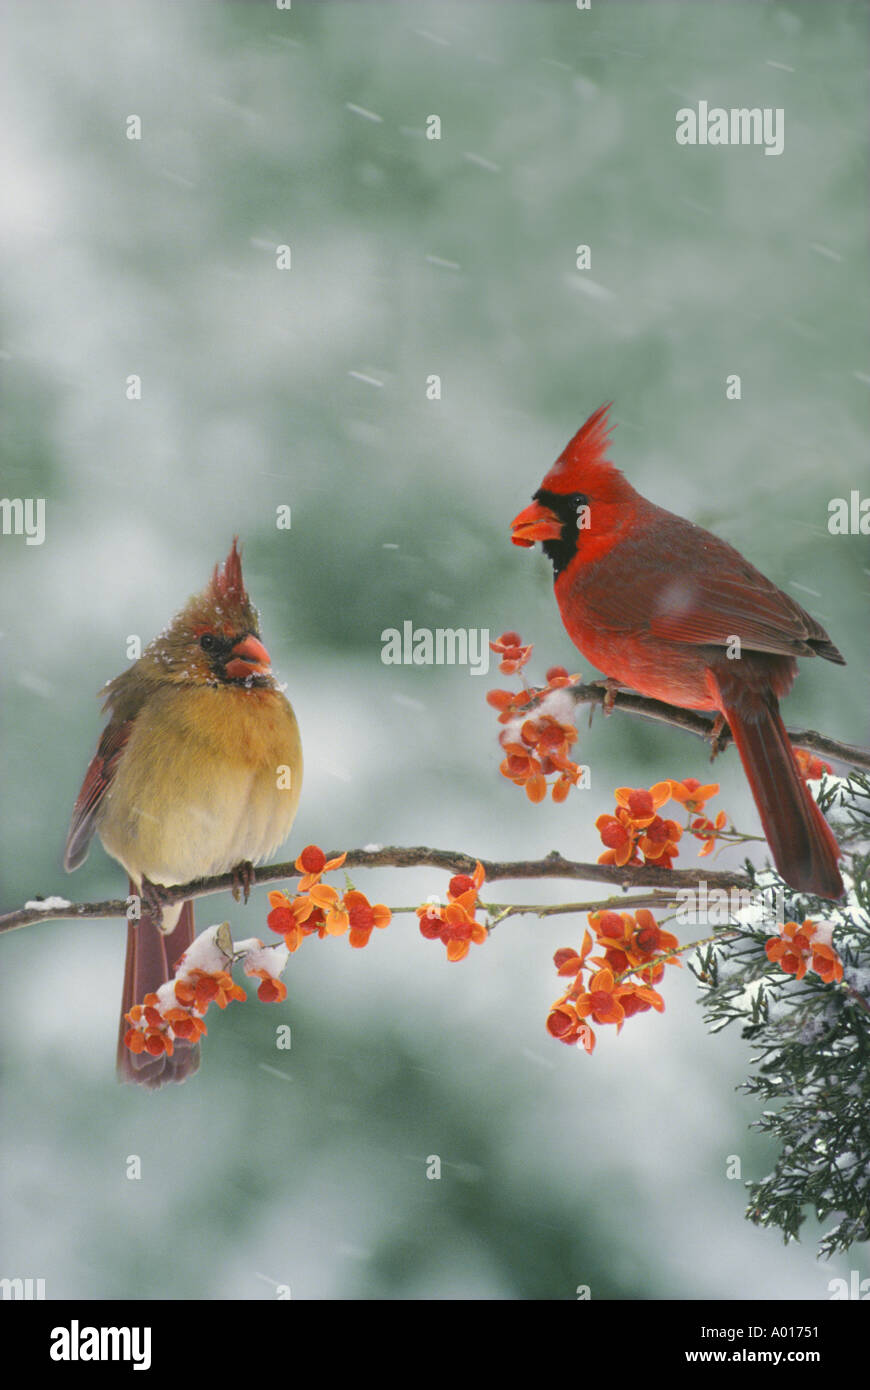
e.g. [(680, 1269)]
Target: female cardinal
[(198, 772), (658, 604)]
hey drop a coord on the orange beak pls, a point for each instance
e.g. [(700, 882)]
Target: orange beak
[(249, 658), (536, 523)]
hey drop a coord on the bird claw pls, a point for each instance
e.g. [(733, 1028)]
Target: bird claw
[(610, 688), (243, 880), (719, 736), (154, 900)]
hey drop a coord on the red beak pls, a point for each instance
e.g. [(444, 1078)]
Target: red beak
[(249, 658), (536, 523)]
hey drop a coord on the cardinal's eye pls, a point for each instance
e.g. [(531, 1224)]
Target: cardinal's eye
[(578, 500), (208, 641)]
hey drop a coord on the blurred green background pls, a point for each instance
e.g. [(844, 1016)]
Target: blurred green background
[(409, 257)]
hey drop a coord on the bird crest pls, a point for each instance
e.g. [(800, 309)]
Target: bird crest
[(227, 585)]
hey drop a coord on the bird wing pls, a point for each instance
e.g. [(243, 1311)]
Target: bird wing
[(98, 779), (699, 590)]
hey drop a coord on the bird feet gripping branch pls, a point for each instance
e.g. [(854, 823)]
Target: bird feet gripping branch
[(610, 686), (720, 737), (243, 880), (155, 900)]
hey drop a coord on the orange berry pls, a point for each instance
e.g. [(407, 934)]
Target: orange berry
[(312, 859)]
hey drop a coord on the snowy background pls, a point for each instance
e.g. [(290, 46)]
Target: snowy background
[(305, 127)]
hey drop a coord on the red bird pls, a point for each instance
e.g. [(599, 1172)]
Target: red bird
[(656, 603)]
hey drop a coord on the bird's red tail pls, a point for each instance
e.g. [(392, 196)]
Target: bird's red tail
[(803, 847), (151, 960)]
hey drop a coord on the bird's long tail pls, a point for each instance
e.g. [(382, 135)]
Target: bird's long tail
[(803, 847), (152, 956)]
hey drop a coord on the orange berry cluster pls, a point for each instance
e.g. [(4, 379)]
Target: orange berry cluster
[(512, 652), (320, 908), (808, 946), (455, 924), (155, 1026), (633, 944), (177, 1009), (636, 829), (811, 767), (539, 735)]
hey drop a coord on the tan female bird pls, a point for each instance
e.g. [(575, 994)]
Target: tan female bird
[(198, 772)]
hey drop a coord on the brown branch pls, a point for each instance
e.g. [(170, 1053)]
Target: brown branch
[(398, 857), (695, 722), (500, 912), (668, 881)]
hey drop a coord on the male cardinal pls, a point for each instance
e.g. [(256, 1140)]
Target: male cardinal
[(656, 603), (190, 779)]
